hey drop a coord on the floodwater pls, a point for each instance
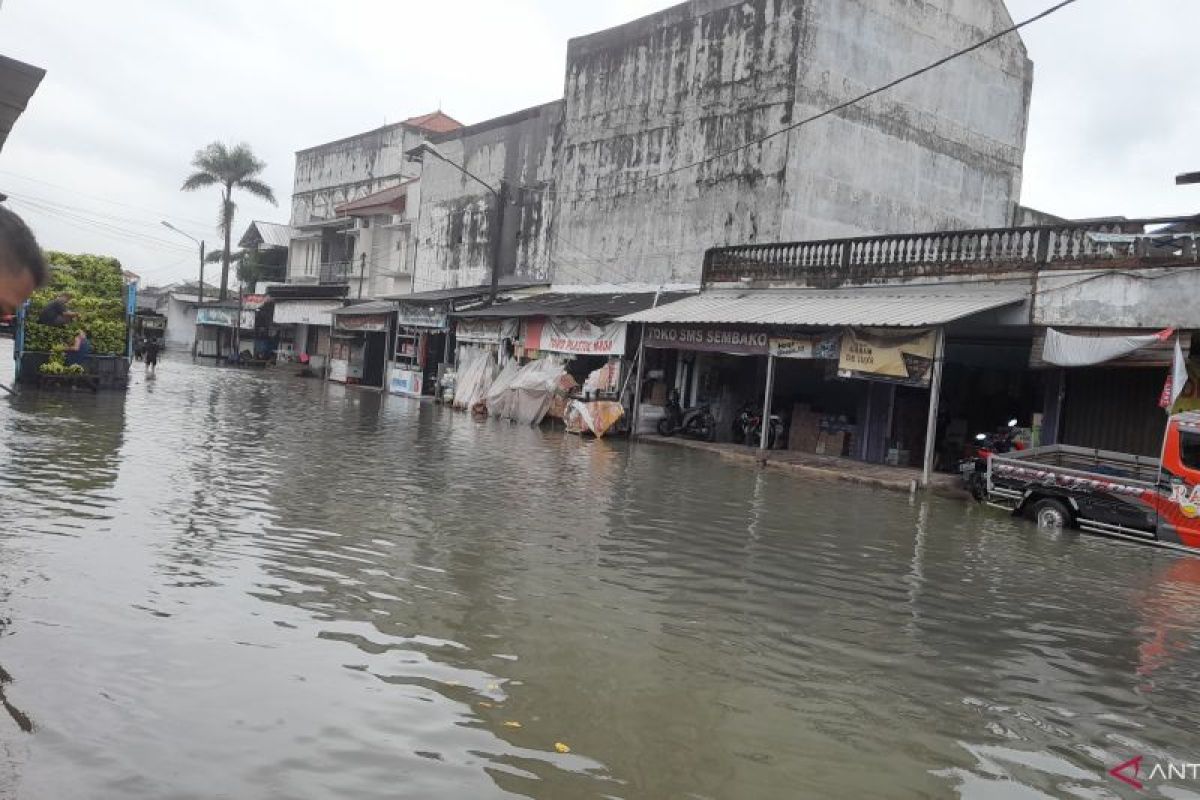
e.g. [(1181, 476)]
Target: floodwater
[(250, 585)]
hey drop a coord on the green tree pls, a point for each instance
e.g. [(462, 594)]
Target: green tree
[(229, 168)]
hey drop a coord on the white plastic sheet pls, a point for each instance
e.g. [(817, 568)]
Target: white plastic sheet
[(1064, 350), (497, 393), (474, 381), (532, 391)]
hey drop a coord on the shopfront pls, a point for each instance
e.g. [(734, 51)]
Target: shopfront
[(841, 379), (360, 344), (420, 347), (303, 327)]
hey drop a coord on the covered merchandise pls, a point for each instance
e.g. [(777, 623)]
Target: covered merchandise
[(597, 418), (474, 380), (497, 394)]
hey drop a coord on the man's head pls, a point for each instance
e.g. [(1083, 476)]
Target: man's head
[(64, 297), (22, 266)]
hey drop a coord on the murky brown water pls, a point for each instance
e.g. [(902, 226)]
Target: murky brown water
[(243, 585)]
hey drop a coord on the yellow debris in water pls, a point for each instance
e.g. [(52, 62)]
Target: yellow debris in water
[(562, 748), (512, 724), (484, 704)]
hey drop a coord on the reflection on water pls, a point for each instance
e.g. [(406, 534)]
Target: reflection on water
[(251, 585)]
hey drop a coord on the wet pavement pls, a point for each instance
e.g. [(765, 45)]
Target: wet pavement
[(246, 584)]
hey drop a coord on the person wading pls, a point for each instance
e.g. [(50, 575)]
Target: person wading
[(150, 353)]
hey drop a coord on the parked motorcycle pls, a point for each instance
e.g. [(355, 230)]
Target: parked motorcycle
[(753, 436), (697, 422), (973, 468), (741, 421)]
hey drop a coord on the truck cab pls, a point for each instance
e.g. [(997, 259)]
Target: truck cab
[(1115, 494)]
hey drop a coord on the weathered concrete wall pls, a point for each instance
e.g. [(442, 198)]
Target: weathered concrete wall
[(338, 172), (454, 224), (1147, 298), (701, 79)]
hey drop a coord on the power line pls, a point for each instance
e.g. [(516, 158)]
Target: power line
[(94, 226), (100, 198)]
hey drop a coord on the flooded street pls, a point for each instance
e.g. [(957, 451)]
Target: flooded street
[(244, 584)]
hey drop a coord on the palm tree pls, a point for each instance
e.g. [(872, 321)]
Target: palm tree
[(230, 168)]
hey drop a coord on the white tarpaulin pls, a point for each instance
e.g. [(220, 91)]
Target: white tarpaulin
[(474, 381), (532, 391), (497, 393), (1064, 350)]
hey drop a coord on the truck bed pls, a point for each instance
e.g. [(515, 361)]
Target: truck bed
[(1083, 462)]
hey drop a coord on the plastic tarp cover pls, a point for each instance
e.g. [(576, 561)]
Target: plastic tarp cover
[(596, 418), (1065, 350), (497, 393), (532, 391), (474, 381)]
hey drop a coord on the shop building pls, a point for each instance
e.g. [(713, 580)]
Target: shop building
[(299, 317), (361, 342), (898, 349)]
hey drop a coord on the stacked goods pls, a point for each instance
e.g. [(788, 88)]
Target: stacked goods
[(97, 290)]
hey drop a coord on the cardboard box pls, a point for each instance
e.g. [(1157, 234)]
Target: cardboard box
[(804, 429)]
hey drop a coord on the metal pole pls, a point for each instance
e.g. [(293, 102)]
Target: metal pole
[(362, 272), (935, 391), (764, 437), (637, 383), (201, 292), (501, 198)]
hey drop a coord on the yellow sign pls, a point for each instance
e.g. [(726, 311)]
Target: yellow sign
[(905, 357)]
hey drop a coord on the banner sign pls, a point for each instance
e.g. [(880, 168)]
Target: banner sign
[(708, 338), (905, 358), (361, 322), (422, 316), (304, 312), (221, 317), (575, 335), (488, 331), (826, 347)]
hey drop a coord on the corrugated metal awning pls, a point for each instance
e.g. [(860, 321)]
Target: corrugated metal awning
[(369, 308), (830, 308)]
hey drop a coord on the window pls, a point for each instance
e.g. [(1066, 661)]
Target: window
[(1189, 449)]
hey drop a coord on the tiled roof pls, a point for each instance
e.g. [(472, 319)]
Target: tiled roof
[(435, 122)]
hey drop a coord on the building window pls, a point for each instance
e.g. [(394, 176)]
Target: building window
[(1189, 449)]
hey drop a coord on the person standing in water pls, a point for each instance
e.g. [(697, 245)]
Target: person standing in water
[(150, 354), (81, 349)]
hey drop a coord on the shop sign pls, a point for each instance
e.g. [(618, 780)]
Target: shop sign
[(304, 312), (221, 317), (575, 335), (488, 331), (898, 357), (708, 338), (367, 323), (422, 316)]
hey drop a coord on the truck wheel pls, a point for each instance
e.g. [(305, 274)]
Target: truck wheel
[(1050, 513)]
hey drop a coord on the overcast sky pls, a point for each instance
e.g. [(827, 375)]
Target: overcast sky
[(134, 87)]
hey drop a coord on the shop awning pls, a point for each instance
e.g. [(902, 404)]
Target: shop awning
[(882, 307), (368, 309), (607, 305), (304, 312)]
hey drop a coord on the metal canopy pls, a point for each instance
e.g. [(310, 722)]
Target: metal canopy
[(883, 307), (370, 308), (586, 304), (18, 82)]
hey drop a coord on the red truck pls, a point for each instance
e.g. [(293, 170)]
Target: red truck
[(1115, 494)]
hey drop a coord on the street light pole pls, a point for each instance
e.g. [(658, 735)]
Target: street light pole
[(499, 201), (200, 293)]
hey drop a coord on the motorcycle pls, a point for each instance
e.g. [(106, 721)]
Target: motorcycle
[(973, 468), (697, 422), (753, 435), (741, 421)]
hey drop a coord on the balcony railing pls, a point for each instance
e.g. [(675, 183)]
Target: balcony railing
[(834, 262), (336, 272)]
